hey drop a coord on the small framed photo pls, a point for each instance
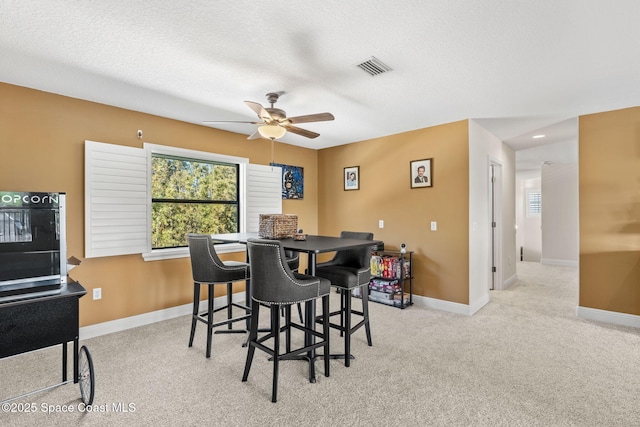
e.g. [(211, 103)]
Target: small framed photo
[(352, 178), (421, 173)]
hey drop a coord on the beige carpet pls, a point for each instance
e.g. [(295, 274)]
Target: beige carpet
[(525, 359)]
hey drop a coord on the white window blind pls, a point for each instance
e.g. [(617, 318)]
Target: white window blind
[(264, 193), (534, 202), (116, 200)]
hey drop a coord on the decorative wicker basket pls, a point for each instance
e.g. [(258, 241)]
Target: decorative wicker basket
[(278, 226)]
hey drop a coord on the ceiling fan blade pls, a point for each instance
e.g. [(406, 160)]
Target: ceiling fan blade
[(301, 132), (259, 110), (255, 135), (319, 117)]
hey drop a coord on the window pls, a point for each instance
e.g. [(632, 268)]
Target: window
[(534, 202), (192, 191), (128, 210), (192, 196)]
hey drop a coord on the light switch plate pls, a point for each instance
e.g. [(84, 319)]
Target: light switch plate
[(381, 223), (434, 225)]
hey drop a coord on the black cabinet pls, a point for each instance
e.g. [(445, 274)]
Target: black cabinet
[(32, 323), (391, 278)]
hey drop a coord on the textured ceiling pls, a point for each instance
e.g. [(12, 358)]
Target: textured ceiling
[(516, 66)]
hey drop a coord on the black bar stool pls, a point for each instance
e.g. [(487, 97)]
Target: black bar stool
[(275, 285), (348, 270), (208, 269)]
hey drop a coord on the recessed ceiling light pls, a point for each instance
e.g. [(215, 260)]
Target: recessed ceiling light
[(538, 136)]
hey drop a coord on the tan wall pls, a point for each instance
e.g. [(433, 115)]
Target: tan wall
[(609, 171), (42, 149), (441, 259)]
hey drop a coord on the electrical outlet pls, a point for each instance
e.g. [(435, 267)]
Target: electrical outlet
[(434, 225), (97, 293), (381, 223)]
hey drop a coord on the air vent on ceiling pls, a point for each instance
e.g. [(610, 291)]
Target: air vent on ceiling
[(374, 66)]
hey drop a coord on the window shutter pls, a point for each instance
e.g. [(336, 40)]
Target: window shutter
[(264, 193), (116, 200), (534, 203)]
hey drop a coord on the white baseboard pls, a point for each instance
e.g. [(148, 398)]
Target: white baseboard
[(564, 262), (510, 281), (451, 307), (117, 325), (616, 318)]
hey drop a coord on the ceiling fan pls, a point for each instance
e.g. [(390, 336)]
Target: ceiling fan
[(275, 123)]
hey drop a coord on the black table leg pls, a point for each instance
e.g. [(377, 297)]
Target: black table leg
[(309, 309), (310, 322)]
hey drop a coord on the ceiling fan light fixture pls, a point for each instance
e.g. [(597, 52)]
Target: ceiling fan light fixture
[(272, 132), (274, 123)]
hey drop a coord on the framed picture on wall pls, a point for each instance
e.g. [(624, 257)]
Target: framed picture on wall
[(352, 178), (292, 181), (421, 173)]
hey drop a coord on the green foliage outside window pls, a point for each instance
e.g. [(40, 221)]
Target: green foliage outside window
[(191, 196)]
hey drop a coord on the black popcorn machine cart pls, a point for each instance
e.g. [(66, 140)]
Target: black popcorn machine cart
[(38, 303)]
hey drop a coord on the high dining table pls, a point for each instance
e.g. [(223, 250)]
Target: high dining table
[(312, 246)]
